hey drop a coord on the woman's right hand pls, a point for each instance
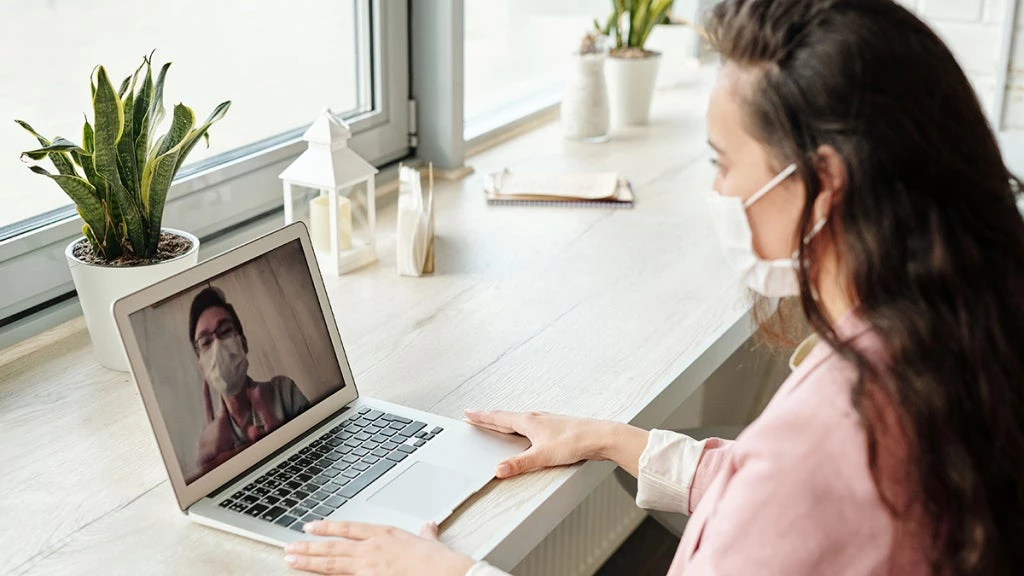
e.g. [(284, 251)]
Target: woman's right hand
[(561, 440)]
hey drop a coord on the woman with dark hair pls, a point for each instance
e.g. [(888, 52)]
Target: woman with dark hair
[(856, 171)]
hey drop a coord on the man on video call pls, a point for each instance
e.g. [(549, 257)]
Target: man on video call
[(239, 410)]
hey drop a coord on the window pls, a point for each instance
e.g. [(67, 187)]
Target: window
[(516, 53), (279, 65)]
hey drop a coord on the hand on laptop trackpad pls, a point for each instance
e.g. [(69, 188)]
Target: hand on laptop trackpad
[(424, 490)]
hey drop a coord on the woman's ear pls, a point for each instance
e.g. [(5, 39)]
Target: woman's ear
[(833, 178)]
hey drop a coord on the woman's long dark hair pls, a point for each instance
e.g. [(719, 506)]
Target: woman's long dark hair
[(929, 236)]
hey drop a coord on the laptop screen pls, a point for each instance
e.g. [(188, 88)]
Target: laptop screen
[(235, 357)]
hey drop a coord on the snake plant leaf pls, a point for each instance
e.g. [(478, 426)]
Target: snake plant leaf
[(88, 163), (43, 141), (61, 160), (219, 112), (638, 21), (162, 173), (156, 107), (109, 124), (658, 10), (124, 87), (58, 145), (134, 224), (88, 138), (167, 165), (140, 124), (126, 162), (82, 193), (92, 82), (615, 21), (109, 249), (181, 124), (87, 232), (109, 117)]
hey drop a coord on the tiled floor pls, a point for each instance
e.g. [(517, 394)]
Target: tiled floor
[(647, 552)]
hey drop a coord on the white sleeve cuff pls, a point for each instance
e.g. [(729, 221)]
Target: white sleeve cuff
[(667, 467)]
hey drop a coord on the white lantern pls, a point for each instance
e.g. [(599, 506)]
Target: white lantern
[(334, 191)]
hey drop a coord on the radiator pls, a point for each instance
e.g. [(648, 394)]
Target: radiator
[(587, 537)]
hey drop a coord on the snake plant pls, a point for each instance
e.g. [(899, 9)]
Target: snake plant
[(631, 21), (119, 176)]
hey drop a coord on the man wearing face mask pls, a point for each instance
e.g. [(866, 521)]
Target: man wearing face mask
[(239, 410)]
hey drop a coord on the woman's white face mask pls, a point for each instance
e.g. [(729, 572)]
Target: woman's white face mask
[(771, 278), (225, 365)]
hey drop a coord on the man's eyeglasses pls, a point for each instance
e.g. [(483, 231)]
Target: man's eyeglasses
[(225, 329)]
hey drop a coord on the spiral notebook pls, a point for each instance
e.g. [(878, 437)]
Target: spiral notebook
[(592, 189)]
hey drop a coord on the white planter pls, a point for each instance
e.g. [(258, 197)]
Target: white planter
[(99, 286), (678, 45), (584, 110), (630, 88)]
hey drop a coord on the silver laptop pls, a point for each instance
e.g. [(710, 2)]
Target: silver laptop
[(245, 380)]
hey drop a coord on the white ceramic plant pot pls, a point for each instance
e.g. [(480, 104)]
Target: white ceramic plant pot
[(630, 88), (99, 286)]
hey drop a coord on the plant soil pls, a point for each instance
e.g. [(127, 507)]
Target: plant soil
[(631, 53), (171, 246)]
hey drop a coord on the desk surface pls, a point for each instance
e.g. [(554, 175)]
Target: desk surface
[(615, 314)]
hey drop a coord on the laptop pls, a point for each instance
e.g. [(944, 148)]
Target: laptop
[(249, 392)]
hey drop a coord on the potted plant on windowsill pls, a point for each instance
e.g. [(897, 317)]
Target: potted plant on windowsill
[(118, 179), (632, 70)]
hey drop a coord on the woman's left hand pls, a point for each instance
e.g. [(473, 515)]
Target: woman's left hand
[(371, 550)]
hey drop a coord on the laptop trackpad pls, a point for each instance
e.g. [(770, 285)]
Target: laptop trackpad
[(424, 490)]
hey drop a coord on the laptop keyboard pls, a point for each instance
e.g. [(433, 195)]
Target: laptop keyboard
[(327, 473)]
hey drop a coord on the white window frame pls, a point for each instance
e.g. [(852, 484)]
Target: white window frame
[(212, 200)]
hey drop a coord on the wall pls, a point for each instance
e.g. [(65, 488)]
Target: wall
[(973, 29)]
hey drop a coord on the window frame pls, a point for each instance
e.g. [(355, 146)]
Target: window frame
[(214, 197)]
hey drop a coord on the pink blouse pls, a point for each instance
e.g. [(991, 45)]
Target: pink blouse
[(793, 495)]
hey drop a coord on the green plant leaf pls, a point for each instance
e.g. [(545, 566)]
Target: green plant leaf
[(615, 20), (140, 124), (58, 145), (87, 232), (156, 107), (126, 163), (82, 193), (167, 165), (181, 124), (124, 87), (42, 141), (88, 138), (88, 163), (638, 21), (163, 170), (109, 118), (92, 82), (219, 112), (134, 225), (659, 8), (61, 161)]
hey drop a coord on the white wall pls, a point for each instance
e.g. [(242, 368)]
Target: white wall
[(973, 29)]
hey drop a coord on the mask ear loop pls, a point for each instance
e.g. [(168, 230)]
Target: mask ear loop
[(786, 173)]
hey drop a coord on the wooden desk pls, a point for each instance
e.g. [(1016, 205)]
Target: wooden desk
[(615, 314)]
